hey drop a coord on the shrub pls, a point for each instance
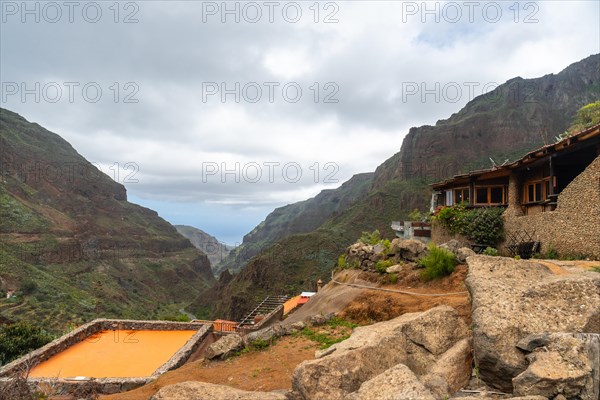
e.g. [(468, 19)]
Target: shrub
[(393, 279), (382, 265), (551, 254), (415, 215), (28, 287), (177, 318), (370, 238), (342, 262), (490, 251), (259, 344), (586, 116), (387, 245), (19, 339), (453, 218), (437, 263), (480, 225), (596, 269), (337, 321)]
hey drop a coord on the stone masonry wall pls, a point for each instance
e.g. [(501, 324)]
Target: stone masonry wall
[(440, 235), (574, 227)]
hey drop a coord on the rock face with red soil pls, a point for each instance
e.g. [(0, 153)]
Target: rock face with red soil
[(424, 342), (514, 299)]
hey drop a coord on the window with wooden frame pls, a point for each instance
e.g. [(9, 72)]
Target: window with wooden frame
[(490, 195), (536, 191), (461, 194)]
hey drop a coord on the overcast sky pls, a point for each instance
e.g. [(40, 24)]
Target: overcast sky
[(216, 112)]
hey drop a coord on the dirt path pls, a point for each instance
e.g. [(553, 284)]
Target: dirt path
[(560, 267), (266, 370), (372, 306)]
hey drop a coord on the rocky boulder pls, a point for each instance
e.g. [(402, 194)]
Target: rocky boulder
[(514, 299), (451, 245), (420, 341), (450, 371), (224, 347), (394, 269), (398, 382), (463, 253), (207, 391), (561, 364), (408, 249), (460, 252)]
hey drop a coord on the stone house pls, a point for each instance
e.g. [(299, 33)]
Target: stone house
[(551, 195)]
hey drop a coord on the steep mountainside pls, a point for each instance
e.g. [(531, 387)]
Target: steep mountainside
[(72, 248), (300, 217), (209, 245), (518, 116)]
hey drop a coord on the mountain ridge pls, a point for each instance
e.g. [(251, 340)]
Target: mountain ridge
[(215, 250)]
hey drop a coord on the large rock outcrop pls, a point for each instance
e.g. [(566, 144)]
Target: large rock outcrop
[(208, 391), (514, 299), (423, 342), (224, 347), (398, 382), (561, 364)]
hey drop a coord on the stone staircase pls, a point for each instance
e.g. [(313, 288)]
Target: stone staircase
[(264, 308)]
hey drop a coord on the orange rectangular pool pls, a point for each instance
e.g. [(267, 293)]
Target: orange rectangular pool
[(115, 354)]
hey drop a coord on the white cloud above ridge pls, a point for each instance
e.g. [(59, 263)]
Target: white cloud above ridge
[(369, 55)]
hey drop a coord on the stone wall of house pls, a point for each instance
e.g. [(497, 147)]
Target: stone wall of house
[(574, 227), (514, 197), (440, 235)]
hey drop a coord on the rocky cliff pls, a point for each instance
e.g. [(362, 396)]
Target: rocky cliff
[(72, 248), (209, 245), (519, 115)]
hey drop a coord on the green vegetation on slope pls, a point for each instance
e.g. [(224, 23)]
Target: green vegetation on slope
[(72, 248), (19, 339)]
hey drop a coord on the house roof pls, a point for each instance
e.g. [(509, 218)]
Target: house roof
[(528, 158)]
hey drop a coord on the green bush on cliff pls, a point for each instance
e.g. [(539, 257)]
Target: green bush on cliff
[(437, 263)]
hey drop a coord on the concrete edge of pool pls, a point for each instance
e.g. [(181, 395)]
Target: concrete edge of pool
[(105, 385)]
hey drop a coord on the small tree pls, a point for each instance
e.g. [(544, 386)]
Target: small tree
[(19, 339), (587, 116), (437, 263), (370, 238)]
